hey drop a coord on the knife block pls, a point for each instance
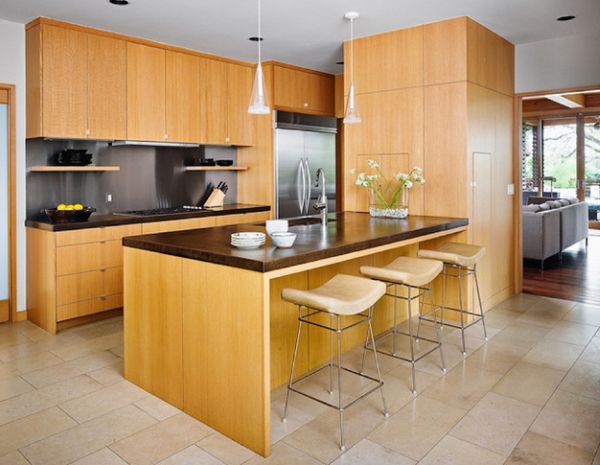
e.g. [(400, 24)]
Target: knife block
[(215, 199)]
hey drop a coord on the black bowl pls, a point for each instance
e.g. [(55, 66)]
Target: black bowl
[(69, 216), (224, 162)]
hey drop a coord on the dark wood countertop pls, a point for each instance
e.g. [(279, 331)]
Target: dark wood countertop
[(346, 232), (97, 221)]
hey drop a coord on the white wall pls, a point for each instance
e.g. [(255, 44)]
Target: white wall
[(572, 61), (12, 71)]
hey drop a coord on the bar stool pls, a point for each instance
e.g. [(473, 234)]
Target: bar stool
[(342, 296), (413, 274), (463, 258)]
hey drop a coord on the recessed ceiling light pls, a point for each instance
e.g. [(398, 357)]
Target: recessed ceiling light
[(255, 39), (339, 62), (565, 18), (119, 2)]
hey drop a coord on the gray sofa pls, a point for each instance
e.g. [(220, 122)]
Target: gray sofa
[(552, 226)]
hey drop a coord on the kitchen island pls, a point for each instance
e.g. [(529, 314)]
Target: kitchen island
[(207, 331)]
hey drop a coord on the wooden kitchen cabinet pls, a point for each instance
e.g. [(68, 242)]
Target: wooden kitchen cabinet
[(76, 84), (146, 99), (182, 97), (225, 94), (303, 91), (107, 88)]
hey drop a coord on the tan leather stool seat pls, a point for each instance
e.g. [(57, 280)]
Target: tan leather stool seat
[(343, 295), (455, 253), (406, 270)]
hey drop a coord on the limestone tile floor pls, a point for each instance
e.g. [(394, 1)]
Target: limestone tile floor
[(530, 395)]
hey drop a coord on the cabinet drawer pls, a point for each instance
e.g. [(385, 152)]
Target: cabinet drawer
[(161, 226), (197, 223), (113, 233), (79, 258), (113, 281), (255, 217), (78, 287), (88, 307), (112, 252), (78, 236)]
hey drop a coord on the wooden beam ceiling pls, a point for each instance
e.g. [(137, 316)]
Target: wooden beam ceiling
[(569, 100)]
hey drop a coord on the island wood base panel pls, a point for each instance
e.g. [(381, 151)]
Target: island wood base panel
[(214, 340)]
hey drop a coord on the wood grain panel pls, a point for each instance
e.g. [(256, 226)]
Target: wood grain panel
[(77, 287), (153, 312), (183, 95), (78, 236), (161, 226), (107, 88), (213, 101), (445, 51), (197, 223), (340, 101), (41, 281), (255, 217), (145, 93), (393, 60), (240, 124), (118, 232), (64, 82), (303, 91), (77, 309), (112, 281), (33, 81), (79, 258), (226, 351)]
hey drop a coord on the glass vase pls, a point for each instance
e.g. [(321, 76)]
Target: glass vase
[(389, 202)]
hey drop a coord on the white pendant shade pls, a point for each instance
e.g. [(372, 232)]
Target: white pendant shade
[(351, 116), (258, 100)]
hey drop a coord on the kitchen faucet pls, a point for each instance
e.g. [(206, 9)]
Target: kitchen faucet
[(321, 204)]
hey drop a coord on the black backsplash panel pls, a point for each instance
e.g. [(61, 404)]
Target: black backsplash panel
[(150, 177)]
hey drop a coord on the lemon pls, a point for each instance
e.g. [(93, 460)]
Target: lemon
[(69, 207), (77, 206), (61, 206)]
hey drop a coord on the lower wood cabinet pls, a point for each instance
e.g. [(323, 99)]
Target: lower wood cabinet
[(74, 274)]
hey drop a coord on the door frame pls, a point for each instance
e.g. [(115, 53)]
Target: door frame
[(517, 171), (12, 209)]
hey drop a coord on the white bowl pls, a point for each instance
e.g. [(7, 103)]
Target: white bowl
[(276, 226), (283, 239), (248, 240)]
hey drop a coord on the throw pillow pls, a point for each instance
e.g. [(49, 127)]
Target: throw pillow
[(544, 206), (531, 208)]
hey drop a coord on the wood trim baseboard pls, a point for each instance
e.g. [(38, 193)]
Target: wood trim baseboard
[(20, 316), (88, 319)]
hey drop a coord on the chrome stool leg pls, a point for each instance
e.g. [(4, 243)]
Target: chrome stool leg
[(395, 319), (370, 331), (462, 310), (412, 342), (340, 396), (480, 304), (330, 391), (437, 332), (287, 394)]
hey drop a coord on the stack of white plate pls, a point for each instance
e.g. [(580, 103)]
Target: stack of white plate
[(248, 240)]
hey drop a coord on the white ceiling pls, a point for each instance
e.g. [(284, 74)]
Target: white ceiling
[(303, 32)]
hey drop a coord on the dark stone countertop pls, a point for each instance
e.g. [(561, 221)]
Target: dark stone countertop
[(346, 232), (97, 221)]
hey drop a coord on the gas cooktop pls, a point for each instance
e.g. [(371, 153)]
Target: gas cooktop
[(160, 211)]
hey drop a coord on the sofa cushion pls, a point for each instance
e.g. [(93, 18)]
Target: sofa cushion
[(544, 206), (574, 200), (554, 204), (564, 202), (531, 208)]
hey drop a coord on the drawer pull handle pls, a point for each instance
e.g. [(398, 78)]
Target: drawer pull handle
[(102, 297)]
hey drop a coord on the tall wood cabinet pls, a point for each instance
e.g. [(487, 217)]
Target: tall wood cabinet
[(303, 91), (439, 96), (75, 84)]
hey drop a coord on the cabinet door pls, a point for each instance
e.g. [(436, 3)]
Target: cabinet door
[(64, 82), (183, 95), (240, 124), (107, 87), (145, 93), (213, 101), (304, 91)]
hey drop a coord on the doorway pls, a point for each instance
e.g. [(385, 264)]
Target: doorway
[(7, 203), (559, 159)]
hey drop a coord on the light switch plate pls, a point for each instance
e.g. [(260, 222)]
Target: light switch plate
[(510, 189)]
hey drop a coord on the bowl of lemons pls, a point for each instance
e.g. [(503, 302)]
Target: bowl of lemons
[(69, 213)]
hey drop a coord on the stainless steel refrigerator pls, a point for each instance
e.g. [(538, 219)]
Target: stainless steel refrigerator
[(303, 144)]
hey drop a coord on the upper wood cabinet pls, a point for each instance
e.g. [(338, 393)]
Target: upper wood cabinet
[(146, 93), (225, 95), (303, 91), (75, 84), (107, 87), (183, 97)]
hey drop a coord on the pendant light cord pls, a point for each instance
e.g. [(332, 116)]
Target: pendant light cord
[(259, 34), (352, 50)]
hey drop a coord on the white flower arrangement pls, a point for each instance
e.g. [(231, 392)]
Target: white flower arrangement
[(387, 190)]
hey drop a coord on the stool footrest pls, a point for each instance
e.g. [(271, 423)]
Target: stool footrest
[(437, 345)]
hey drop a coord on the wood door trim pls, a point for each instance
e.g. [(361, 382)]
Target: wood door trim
[(12, 194), (517, 219)]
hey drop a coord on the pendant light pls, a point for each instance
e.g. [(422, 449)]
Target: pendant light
[(258, 100), (351, 116)]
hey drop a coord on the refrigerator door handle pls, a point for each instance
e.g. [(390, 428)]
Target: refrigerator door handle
[(300, 186), (308, 187)]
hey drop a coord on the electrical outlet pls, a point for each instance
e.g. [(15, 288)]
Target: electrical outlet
[(510, 189), (108, 197)]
